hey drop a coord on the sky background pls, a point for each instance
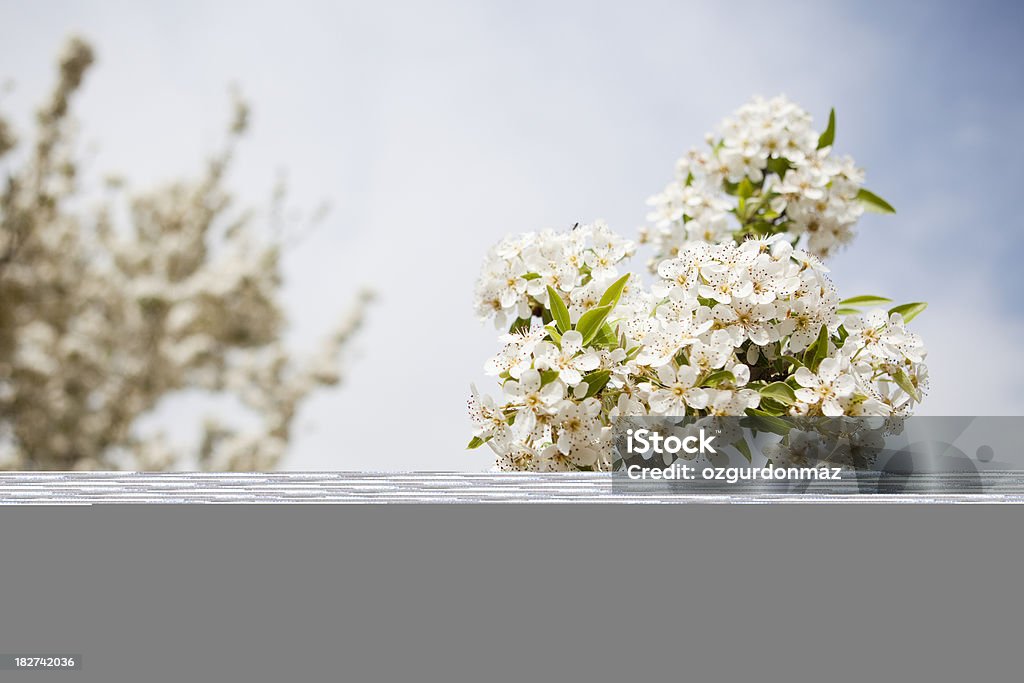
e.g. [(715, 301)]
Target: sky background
[(436, 128)]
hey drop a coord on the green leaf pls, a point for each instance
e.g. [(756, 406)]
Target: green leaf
[(906, 384), (812, 352), (520, 325), (764, 422), (829, 136), (556, 336), (717, 378), (745, 189), (822, 351), (605, 337), (759, 227), (779, 166), (476, 442), (772, 407), (816, 352), (548, 376), (872, 202), (591, 321), (559, 312), (795, 362), (779, 391), (847, 311), (596, 381), (866, 300), (531, 276), (612, 294), (743, 448), (909, 311)]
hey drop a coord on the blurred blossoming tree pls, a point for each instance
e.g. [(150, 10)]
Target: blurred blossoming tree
[(101, 318)]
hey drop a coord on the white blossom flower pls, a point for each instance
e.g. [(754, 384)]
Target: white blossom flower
[(713, 354), (727, 402), (677, 391), (579, 431), (489, 422), (532, 397), (825, 387), (744, 319), (668, 337), (570, 361)]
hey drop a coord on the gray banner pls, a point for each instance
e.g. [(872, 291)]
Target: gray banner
[(32, 662), (765, 455), (515, 593)]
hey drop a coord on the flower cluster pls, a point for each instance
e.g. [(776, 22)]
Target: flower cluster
[(728, 329), (768, 172), (737, 322), (577, 264)]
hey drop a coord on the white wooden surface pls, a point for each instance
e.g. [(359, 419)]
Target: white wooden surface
[(367, 487)]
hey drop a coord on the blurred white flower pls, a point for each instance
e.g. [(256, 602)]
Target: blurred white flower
[(102, 319)]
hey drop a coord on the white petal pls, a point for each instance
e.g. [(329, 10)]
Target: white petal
[(551, 392), (844, 386), (525, 422), (831, 407), (530, 380), (806, 378), (513, 390), (687, 375), (571, 376), (588, 361), (828, 370), (759, 336), (564, 443), (580, 390), (583, 457), (697, 398), (660, 401), (545, 351), (806, 395), (572, 341)]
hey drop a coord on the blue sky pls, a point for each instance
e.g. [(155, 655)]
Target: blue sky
[(434, 130)]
